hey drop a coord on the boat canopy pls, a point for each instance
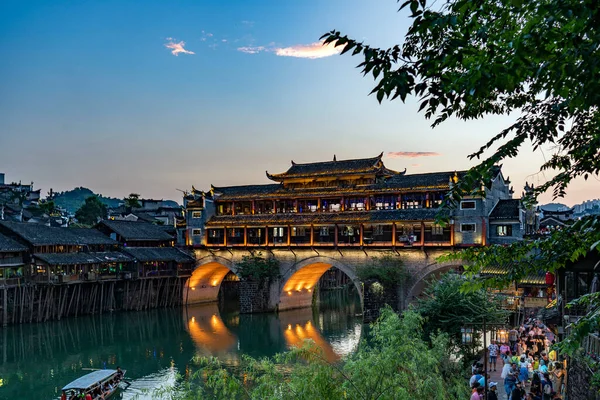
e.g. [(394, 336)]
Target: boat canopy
[(90, 379)]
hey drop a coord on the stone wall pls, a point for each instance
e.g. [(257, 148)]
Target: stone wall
[(579, 377), (255, 297)]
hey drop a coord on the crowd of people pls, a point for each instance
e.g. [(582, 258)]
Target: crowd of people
[(530, 366)]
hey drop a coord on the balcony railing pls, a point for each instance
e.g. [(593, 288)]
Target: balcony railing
[(7, 261)]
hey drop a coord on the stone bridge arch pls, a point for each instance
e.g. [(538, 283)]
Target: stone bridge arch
[(298, 281), (205, 282), (423, 276)]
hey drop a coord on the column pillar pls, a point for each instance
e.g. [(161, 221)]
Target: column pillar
[(253, 207), (335, 235), (274, 206), (225, 237), (319, 205), (394, 234), (245, 236), (233, 208), (483, 231), (452, 234), (312, 235), (289, 235), (362, 228), (266, 235), (342, 205), (422, 233)]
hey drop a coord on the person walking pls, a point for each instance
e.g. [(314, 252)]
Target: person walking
[(518, 393), (510, 381), (493, 392), (513, 336), (493, 350)]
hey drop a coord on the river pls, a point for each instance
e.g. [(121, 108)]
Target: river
[(157, 347)]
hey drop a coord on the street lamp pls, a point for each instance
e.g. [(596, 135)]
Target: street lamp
[(467, 335), (502, 335)]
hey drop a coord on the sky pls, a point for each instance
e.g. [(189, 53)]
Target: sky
[(153, 96)]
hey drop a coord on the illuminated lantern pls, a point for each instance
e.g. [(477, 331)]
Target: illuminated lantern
[(549, 279)]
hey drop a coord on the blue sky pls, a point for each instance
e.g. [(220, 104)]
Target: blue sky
[(90, 95)]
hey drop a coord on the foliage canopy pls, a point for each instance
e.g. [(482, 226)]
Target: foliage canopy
[(387, 269), (257, 267), (398, 364), (470, 59), (91, 211)]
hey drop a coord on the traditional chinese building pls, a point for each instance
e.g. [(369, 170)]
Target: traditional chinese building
[(351, 203)]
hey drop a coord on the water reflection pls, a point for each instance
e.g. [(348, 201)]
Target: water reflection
[(37, 359)]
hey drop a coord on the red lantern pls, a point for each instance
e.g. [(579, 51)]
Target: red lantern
[(549, 279)]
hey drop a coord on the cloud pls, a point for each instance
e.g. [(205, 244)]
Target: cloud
[(312, 51), (177, 47), (252, 49), (411, 154)]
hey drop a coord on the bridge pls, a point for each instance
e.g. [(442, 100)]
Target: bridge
[(299, 273)]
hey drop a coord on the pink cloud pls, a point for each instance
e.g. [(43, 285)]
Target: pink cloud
[(411, 154), (312, 51), (177, 47)]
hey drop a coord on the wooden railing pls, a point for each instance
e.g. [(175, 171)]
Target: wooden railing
[(591, 345)]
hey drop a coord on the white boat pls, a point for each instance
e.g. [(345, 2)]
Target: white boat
[(94, 383)]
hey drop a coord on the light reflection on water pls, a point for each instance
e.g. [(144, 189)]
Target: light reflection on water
[(157, 347)]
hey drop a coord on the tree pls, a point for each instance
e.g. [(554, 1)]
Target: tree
[(470, 59), (397, 364), (47, 207), (387, 269), (91, 211), (257, 267), (132, 201), (447, 308)]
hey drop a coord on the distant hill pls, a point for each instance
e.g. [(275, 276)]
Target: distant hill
[(554, 207), (72, 200)]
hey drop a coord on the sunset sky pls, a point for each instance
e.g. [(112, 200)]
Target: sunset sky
[(153, 96)]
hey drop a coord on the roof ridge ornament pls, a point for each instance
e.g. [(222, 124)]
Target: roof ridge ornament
[(334, 159)]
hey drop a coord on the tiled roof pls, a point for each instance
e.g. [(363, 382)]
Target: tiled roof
[(341, 167), (398, 183), (131, 230), (533, 279), (39, 235), (159, 254), (347, 217), (9, 245), (506, 209), (82, 258)]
